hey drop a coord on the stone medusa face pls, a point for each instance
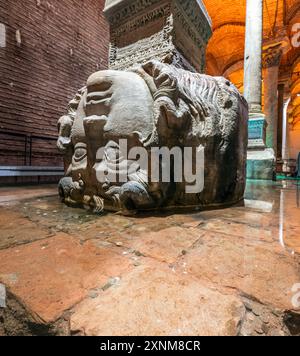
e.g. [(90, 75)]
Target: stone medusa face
[(115, 105), (122, 101), (154, 106)]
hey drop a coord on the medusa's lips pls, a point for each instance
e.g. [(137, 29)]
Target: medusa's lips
[(96, 98)]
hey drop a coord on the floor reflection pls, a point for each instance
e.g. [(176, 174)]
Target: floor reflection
[(282, 200), (298, 194)]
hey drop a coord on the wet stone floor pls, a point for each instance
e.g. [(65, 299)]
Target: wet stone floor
[(234, 271)]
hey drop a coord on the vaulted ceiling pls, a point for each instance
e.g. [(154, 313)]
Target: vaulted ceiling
[(225, 52)]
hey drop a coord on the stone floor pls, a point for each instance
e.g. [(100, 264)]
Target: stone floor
[(227, 272)]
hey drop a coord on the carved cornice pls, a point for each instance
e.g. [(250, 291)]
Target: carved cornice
[(118, 12), (196, 16), (200, 38), (156, 46), (149, 48), (163, 11), (179, 61), (272, 56)]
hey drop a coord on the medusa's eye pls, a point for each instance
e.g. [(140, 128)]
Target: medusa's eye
[(80, 152)]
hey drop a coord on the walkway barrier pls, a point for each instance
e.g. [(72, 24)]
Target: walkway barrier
[(30, 171), (26, 157), (27, 149)]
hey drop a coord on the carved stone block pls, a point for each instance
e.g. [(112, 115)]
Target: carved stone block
[(154, 136), (172, 31)]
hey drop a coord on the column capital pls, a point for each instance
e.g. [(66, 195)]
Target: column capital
[(272, 56)]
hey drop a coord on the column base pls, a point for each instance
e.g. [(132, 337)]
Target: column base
[(257, 131), (261, 164)]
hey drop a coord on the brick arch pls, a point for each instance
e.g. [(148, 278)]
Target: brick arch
[(227, 45)]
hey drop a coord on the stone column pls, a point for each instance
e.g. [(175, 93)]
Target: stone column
[(281, 88), (253, 74), (253, 55), (260, 160), (272, 58)]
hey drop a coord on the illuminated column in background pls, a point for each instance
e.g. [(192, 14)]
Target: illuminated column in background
[(281, 88), (285, 148), (272, 58), (260, 160), (253, 55)]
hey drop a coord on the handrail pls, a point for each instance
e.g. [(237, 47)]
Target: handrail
[(28, 138)]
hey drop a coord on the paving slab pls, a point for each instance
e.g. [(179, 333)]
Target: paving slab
[(154, 300), (17, 229), (157, 274), (263, 273), (52, 275), (167, 245)]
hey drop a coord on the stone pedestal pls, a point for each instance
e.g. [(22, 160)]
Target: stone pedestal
[(256, 131), (173, 31), (260, 160)]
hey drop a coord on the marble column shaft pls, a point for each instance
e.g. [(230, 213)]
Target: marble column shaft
[(271, 64), (253, 55), (280, 119)]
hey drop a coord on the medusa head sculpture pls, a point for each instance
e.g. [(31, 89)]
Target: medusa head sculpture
[(151, 137)]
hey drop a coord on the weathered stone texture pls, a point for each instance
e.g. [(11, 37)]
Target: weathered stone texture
[(167, 107), (162, 303), (174, 31), (59, 266), (232, 271)]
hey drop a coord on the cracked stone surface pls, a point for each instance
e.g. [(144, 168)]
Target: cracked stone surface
[(251, 268), (225, 272), (155, 300), (52, 275)]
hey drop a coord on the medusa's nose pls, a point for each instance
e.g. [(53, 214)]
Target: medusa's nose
[(99, 93), (98, 98)]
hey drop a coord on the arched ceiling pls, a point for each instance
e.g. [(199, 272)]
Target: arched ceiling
[(234, 12), (227, 46), (225, 51), (295, 72), (295, 93), (226, 11), (228, 17)]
